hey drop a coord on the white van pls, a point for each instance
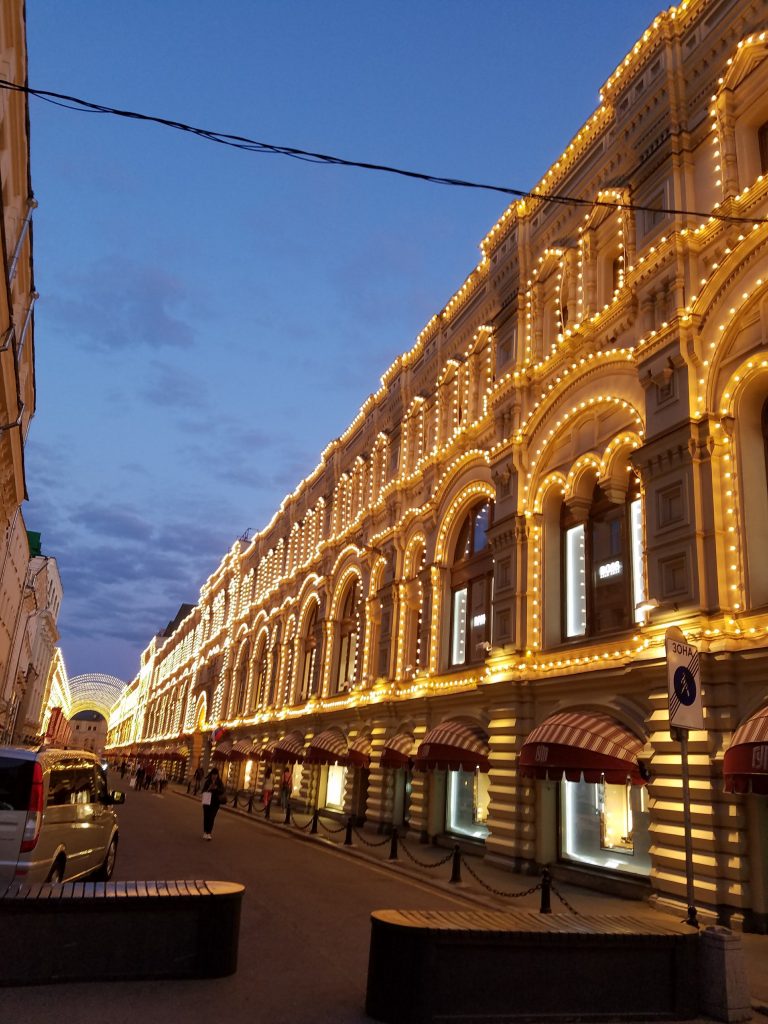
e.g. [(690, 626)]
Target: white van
[(57, 819)]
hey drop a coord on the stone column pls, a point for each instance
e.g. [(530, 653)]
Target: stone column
[(511, 816)]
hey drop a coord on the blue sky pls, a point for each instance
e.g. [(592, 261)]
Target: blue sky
[(210, 319)]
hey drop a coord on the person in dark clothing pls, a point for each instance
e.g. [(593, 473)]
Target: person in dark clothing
[(213, 798), (123, 768), (198, 778)]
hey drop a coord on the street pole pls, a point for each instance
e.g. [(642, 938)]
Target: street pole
[(690, 897)]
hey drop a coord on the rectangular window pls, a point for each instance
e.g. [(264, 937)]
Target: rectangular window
[(459, 627), (575, 582), (605, 825), (466, 807), (638, 577), (334, 793)]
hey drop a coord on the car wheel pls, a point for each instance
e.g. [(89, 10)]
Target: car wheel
[(56, 874), (105, 871)]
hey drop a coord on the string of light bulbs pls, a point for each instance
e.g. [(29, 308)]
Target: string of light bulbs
[(255, 146)]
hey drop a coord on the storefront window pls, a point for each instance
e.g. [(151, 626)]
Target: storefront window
[(334, 793), (466, 806), (605, 825)]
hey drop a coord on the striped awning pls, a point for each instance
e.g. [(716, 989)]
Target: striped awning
[(244, 750), (453, 746), (328, 747), (397, 752), (222, 751), (582, 744), (745, 765), (360, 750), (288, 750)]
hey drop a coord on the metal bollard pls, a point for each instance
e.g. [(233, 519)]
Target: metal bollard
[(348, 835), (546, 884), (250, 803), (456, 864), (315, 816), (393, 845), (287, 813), (234, 800)]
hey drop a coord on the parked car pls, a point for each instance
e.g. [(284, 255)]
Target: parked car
[(57, 817)]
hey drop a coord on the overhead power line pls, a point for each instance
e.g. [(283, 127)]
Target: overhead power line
[(255, 146)]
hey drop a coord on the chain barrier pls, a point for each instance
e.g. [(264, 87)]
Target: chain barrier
[(368, 842), (304, 827), (330, 831), (422, 863), (564, 901), (498, 892)]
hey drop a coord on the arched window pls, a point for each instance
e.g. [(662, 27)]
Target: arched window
[(471, 587), (261, 671), (310, 667), (273, 667), (349, 627), (602, 564), (240, 694)]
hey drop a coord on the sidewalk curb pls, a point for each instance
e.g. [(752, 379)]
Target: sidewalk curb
[(457, 889)]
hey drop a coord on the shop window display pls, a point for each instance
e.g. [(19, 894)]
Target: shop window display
[(466, 806), (335, 786), (605, 825)]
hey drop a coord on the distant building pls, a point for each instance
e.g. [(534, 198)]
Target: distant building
[(88, 731), (455, 624), (17, 372)]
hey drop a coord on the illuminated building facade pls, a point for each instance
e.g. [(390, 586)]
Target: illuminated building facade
[(455, 624), (17, 373)]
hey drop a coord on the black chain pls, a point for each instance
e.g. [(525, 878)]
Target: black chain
[(301, 828), (425, 864), (368, 842), (498, 892), (564, 901), (330, 831)]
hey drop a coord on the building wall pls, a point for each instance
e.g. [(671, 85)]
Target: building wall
[(17, 378), (617, 343)]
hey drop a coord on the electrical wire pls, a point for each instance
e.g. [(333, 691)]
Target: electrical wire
[(255, 146)]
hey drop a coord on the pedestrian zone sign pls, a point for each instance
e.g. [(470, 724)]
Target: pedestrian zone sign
[(684, 682)]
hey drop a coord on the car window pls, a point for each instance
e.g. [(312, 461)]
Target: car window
[(62, 785), (74, 782), (99, 786), (15, 783)]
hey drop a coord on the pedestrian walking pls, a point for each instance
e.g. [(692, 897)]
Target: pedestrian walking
[(149, 774), (213, 797), (286, 787), (198, 778), (266, 789), (161, 777), (123, 768), (140, 777)]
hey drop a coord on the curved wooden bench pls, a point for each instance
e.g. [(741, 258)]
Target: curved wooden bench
[(105, 931), (480, 965)]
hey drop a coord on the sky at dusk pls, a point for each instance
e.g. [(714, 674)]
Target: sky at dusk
[(210, 319)]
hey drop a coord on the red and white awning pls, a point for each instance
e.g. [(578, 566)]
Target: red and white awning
[(397, 752), (328, 747), (243, 750), (453, 745), (288, 750), (582, 744), (222, 751), (360, 751), (745, 765)]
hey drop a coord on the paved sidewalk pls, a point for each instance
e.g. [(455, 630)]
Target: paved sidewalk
[(481, 882)]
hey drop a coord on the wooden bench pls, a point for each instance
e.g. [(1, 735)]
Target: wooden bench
[(105, 931), (480, 965)]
